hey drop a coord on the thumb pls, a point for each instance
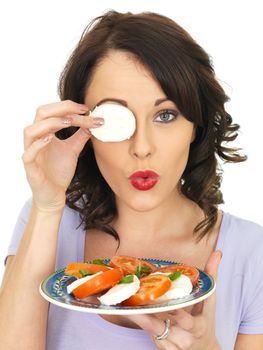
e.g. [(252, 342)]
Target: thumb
[(78, 140), (212, 263), (212, 269)]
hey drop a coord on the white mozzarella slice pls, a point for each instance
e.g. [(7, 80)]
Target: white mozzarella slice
[(119, 123), (120, 292), (161, 273), (180, 288), (80, 281)]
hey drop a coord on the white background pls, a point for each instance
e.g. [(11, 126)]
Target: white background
[(36, 38)]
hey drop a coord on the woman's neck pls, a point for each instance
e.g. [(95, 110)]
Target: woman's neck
[(176, 217), (165, 233)]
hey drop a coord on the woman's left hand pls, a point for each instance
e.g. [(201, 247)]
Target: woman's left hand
[(189, 330)]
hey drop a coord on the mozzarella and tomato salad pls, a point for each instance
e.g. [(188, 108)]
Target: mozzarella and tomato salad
[(130, 281)]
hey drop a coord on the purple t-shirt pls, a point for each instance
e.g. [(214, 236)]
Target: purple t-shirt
[(239, 306)]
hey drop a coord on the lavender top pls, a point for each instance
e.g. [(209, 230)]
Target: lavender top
[(239, 306)]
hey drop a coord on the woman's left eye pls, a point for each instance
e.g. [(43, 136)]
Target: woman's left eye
[(166, 116)]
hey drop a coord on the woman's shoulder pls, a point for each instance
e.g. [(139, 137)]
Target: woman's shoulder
[(239, 281), (242, 234), (241, 224), (70, 215)]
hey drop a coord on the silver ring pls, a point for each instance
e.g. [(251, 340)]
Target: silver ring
[(165, 333)]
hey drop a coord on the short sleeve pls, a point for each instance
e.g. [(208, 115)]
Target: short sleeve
[(252, 314), (19, 228)]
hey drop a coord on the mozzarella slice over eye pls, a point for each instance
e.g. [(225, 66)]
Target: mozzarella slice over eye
[(120, 292), (80, 281), (119, 123)]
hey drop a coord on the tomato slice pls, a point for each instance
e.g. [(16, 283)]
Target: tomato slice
[(99, 283), (151, 287), (189, 271), (72, 269), (129, 264)]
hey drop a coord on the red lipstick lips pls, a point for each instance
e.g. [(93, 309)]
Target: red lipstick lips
[(144, 180)]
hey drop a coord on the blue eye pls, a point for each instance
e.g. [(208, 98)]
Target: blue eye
[(166, 116)]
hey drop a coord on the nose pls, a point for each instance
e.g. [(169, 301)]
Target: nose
[(141, 143)]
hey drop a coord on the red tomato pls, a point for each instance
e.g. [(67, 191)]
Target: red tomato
[(129, 264), (72, 269), (151, 287), (99, 283), (189, 271)]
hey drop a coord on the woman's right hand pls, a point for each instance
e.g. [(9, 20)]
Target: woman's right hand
[(49, 162)]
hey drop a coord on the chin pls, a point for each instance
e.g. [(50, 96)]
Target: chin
[(140, 204)]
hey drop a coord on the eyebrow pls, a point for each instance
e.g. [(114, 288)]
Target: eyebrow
[(125, 103)]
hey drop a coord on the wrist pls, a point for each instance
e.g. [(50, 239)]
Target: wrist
[(50, 209)]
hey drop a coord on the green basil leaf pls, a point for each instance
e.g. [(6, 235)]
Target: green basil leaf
[(142, 271), (173, 276), (127, 279), (98, 262), (85, 273)]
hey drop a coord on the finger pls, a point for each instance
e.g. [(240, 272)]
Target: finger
[(211, 268), (40, 129), (186, 321), (197, 309), (29, 156), (84, 121), (180, 338), (177, 338), (78, 140), (149, 323), (155, 327), (182, 318), (60, 109), (51, 125), (213, 262)]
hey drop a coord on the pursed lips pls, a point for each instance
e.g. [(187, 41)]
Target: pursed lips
[(144, 180)]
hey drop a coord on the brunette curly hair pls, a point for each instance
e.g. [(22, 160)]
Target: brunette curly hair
[(186, 75)]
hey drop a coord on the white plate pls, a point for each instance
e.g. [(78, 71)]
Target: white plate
[(54, 290)]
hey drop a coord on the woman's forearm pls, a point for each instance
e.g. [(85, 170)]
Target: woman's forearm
[(23, 312)]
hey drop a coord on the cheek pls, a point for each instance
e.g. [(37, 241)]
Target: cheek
[(178, 155)]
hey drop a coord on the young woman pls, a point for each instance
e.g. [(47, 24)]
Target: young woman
[(85, 205)]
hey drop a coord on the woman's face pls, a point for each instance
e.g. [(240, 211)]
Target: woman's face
[(161, 140)]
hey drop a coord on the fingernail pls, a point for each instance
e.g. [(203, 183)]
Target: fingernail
[(97, 121), (84, 108), (66, 121), (47, 138)]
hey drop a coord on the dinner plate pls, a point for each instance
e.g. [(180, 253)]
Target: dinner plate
[(54, 290)]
